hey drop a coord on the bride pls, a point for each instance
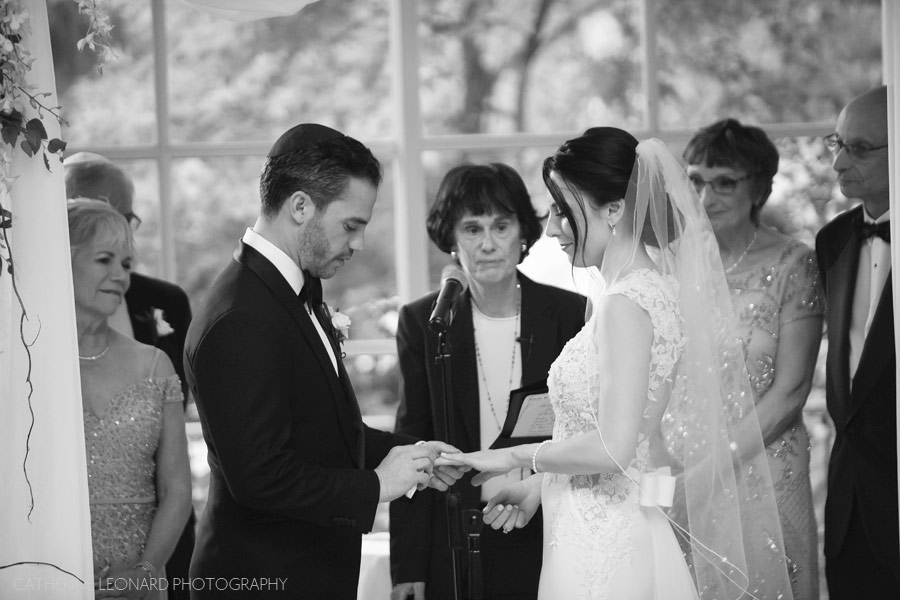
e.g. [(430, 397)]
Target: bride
[(656, 335)]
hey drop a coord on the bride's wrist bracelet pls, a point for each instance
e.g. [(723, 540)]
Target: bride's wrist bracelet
[(146, 565), (534, 468)]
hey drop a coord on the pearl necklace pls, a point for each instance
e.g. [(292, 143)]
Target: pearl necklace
[(512, 368), (744, 253), (100, 355)]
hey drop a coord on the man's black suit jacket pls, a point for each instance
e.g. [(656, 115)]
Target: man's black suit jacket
[(550, 317), (143, 296), (862, 473), (291, 484), (146, 293)]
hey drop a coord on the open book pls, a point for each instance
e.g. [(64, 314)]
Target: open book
[(529, 418)]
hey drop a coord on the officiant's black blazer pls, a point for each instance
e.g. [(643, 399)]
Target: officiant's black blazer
[(550, 317), (291, 487), (862, 472)]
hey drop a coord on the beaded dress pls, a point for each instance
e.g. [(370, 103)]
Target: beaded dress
[(599, 542), (121, 449), (767, 295)]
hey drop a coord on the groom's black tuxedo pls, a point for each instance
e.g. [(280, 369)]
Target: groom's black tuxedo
[(290, 494), (862, 473)]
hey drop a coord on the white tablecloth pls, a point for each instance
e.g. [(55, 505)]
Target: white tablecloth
[(375, 567)]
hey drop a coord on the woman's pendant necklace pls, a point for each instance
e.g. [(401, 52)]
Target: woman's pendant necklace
[(512, 369), (744, 253)]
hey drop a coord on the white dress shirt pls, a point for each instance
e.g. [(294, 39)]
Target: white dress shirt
[(871, 275), (292, 274)]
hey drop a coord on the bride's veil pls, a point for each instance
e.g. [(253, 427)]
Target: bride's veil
[(728, 515)]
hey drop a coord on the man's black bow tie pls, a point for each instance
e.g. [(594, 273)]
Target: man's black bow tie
[(866, 230), (311, 291)]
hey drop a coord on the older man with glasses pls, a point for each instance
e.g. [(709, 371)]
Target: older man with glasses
[(862, 546), (154, 312)]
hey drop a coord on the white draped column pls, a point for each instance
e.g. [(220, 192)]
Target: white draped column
[(44, 513), (890, 55)]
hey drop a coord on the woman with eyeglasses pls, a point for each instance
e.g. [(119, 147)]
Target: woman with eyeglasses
[(779, 304)]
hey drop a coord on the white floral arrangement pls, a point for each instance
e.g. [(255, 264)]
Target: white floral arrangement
[(341, 324)]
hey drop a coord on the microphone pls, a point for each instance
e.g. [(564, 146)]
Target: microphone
[(453, 284), (526, 343)]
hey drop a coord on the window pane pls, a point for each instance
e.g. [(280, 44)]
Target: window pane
[(251, 81), (376, 382), (148, 237), (764, 61), (217, 199), (500, 66), (805, 194), (118, 106)]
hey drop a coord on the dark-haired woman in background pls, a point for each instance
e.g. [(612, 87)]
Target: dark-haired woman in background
[(506, 332), (779, 303)]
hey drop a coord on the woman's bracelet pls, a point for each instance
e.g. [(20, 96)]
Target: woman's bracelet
[(146, 565), (534, 468)]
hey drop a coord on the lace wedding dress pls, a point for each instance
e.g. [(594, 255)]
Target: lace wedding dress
[(599, 542)]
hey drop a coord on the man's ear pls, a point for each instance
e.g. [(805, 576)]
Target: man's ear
[(300, 207)]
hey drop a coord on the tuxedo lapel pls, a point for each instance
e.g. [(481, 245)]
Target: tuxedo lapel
[(338, 383), (140, 313), (841, 284), (537, 341), (878, 350)]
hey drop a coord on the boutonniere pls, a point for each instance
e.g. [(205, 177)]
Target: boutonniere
[(162, 326), (340, 324)]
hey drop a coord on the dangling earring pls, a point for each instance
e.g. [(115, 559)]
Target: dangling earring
[(454, 256), (612, 226), (523, 248)]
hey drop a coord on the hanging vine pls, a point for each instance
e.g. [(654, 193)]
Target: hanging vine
[(29, 135)]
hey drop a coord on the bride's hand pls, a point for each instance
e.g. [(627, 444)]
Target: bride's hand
[(514, 505), (490, 462)]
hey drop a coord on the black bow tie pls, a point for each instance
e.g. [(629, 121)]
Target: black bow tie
[(311, 291), (866, 230)]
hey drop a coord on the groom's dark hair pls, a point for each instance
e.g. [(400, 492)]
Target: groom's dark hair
[(322, 170)]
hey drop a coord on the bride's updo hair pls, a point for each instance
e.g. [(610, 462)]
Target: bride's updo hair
[(597, 164)]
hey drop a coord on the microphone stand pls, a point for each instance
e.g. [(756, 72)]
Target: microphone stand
[(473, 524), (442, 358)]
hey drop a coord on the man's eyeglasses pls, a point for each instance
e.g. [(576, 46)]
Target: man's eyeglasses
[(858, 151), (723, 184), (133, 220)]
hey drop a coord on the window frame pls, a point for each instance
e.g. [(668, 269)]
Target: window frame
[(403, 151)]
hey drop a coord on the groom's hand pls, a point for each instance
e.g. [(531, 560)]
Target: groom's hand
[(442, 477), (403, 468), (404, 591)]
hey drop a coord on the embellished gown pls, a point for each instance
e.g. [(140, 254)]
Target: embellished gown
[(121, 449), (767, 296), (599, 542)]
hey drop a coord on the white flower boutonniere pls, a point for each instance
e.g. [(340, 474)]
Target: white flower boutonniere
[(162, 326), (341, 324)]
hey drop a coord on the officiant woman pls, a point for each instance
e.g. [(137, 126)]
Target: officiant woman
[(505, 333)]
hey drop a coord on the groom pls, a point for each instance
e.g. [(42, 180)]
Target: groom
[(295, 474)]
